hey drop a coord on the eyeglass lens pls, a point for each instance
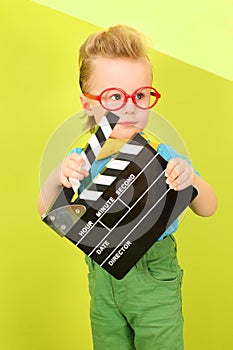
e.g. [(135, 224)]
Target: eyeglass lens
[(114, 98)]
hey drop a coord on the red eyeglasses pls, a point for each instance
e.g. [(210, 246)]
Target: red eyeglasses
[(113, 99)]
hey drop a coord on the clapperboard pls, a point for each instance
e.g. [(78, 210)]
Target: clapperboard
[(124, 209)]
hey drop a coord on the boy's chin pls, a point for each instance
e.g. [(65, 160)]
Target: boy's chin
[(121, 133)]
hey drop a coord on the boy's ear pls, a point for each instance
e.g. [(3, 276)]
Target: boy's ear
[(86, 105)]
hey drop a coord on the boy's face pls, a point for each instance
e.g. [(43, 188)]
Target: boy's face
[(129, 75)]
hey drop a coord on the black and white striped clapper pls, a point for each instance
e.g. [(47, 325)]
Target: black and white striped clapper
[(125, 209), (62, 213)]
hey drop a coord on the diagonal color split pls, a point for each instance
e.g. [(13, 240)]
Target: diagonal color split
[(199, 33)]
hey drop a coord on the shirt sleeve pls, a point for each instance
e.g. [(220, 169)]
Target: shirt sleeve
[(75, 150)]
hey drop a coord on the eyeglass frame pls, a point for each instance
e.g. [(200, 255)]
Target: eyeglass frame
[(126, 97)]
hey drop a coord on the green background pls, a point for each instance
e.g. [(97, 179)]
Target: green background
[(44, 300)]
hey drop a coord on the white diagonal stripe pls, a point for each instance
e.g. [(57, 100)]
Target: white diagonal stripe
[(131, 149), (104, 180), (105, 126), (87, 163), (117, 164), (90, 195), (95, 145)]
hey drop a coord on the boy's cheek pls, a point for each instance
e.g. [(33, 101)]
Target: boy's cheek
[(98, 112)]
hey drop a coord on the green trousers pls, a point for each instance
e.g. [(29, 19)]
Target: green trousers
[(142, 311)]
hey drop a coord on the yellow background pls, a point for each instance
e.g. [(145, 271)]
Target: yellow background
[(43, 293), (195, 31)]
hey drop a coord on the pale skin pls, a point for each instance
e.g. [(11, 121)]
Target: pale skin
[(128, 74)]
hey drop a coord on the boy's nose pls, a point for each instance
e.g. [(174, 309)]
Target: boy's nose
[(129, 107)]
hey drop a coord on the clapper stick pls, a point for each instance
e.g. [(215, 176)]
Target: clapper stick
[(124, 210), (95, 144)]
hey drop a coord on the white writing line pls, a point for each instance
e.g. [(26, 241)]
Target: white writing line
[(120, 200), (107, 228)]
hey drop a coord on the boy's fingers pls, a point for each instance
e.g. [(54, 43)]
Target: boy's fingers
[(177, 182), (174, 168), (178, 187), (78, 164), (76, 174), (77, 159), (73, 166), (170, 166), (182, 181), (175, 173), (65, 182), (79, 167)]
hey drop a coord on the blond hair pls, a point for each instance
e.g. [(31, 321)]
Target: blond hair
[(117, 41)]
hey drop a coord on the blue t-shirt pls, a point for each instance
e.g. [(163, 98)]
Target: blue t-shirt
[(166, 151)]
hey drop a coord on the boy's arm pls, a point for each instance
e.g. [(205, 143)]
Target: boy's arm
[(205, 204), (49, 190), (72, 166)]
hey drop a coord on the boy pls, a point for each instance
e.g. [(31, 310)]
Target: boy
[(143, 310)]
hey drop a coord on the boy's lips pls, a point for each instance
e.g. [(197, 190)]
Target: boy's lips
[(128, 123)]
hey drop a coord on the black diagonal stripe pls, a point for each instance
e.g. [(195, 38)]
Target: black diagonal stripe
[(138, 140), (142, 158), (112, 172), (100, 136), (162, 161), (97, 187), (125, 156), (90, 154), (112, 119)]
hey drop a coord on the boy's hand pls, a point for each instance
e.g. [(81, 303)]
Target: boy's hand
[(179, 174), (72, 166)]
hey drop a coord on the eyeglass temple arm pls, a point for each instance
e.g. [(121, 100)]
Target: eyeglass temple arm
[(156, 94), (93, 97)]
